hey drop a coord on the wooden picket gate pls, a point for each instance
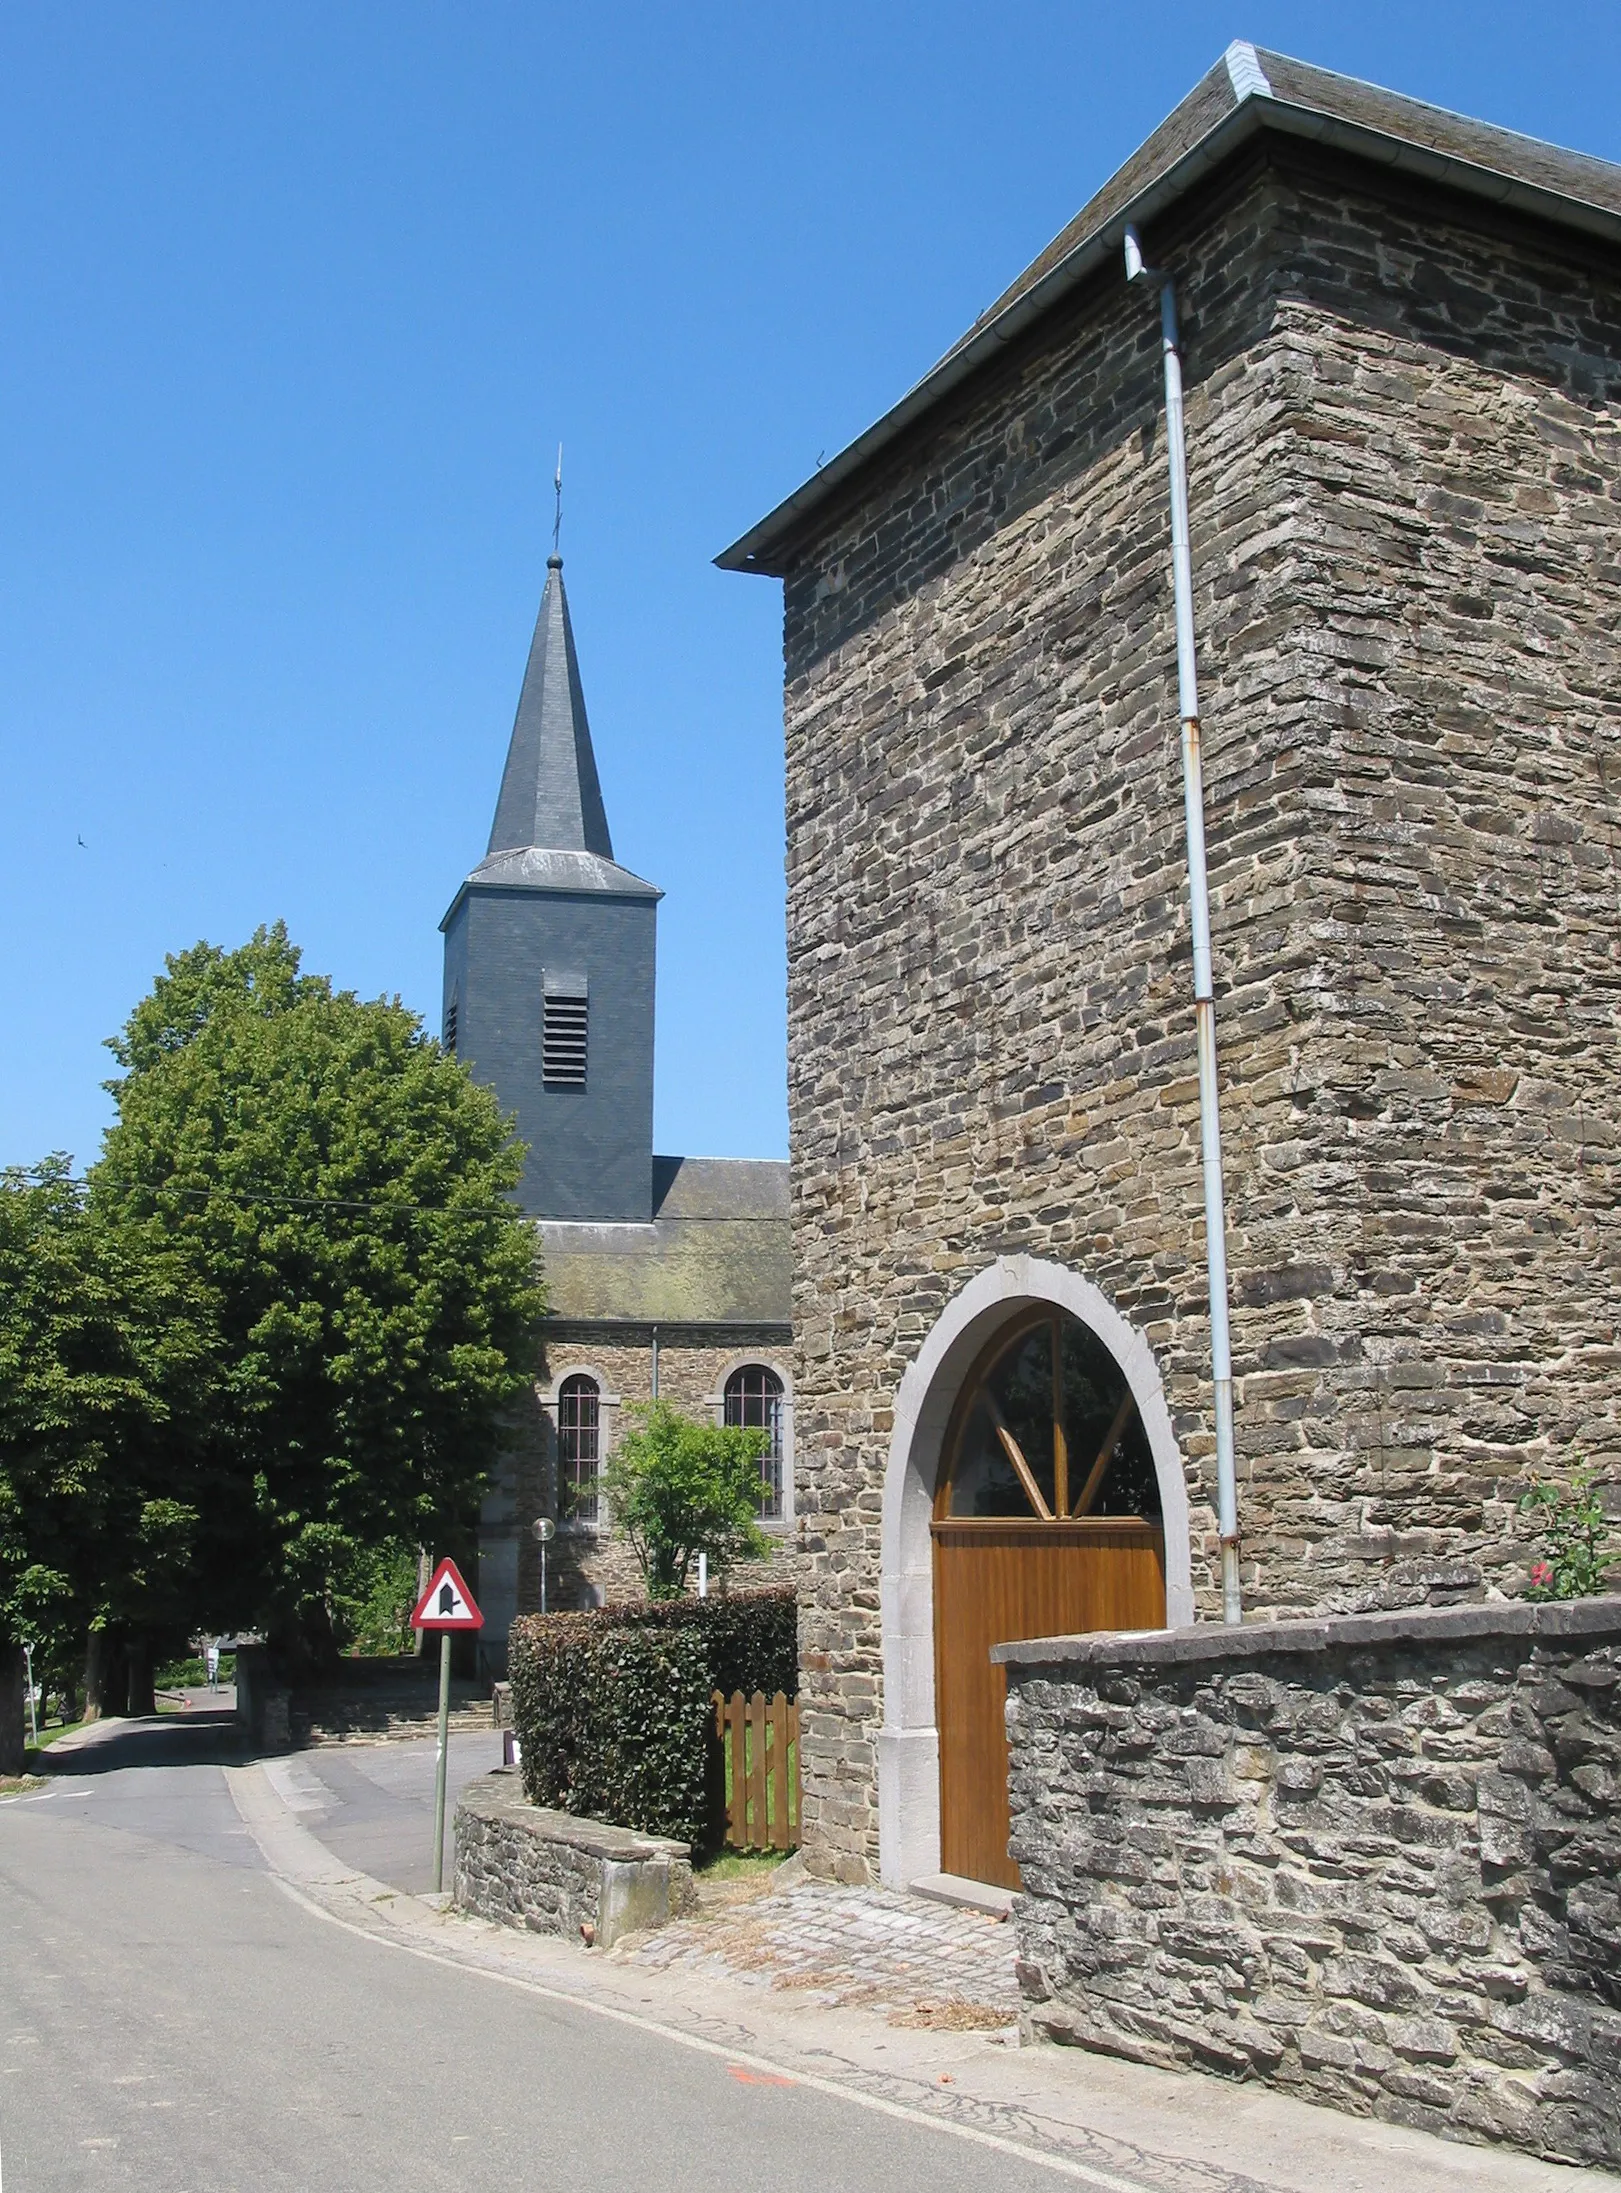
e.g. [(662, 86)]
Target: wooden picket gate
[(756, 1773)]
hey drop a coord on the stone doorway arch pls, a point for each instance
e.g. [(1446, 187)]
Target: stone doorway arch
[(908, 1741)]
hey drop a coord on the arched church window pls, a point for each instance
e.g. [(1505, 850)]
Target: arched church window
[(579, 1433), (1047, 1428), (753, 1397)]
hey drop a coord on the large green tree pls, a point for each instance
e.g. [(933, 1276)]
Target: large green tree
[(96, 1515), (329, 1194)]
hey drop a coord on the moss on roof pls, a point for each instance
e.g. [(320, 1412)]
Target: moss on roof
[(717, 1252)]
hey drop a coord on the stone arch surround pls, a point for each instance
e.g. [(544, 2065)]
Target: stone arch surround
[(908, 1741)]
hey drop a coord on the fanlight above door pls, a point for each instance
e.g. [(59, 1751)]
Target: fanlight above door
[(1046, 1431)]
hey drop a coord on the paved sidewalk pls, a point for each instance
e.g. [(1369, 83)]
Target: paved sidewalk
[(926, 1964)]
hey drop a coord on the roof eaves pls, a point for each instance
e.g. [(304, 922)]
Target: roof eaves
[(761, 549)]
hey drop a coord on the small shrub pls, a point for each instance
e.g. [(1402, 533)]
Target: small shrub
[(1575, 1532), (677, 1488), (613, 1708)]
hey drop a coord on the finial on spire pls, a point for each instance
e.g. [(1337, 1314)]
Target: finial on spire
[(557, 519)]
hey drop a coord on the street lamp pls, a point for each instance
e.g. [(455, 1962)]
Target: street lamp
[(543, 1530)]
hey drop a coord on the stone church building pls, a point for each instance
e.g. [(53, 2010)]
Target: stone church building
[(1402, 344), (667, 1277)]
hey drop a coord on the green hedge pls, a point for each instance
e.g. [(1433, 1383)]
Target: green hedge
[(612, 1709)]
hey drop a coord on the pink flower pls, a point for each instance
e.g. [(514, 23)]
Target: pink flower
[(1541, 1573)]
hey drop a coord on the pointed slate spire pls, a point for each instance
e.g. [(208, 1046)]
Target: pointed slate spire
[(550, 796)]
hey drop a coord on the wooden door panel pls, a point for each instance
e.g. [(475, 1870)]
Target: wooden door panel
[(994, 1583)]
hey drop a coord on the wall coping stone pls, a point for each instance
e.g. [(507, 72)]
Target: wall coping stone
[(1206, 1641), (498, 1795)]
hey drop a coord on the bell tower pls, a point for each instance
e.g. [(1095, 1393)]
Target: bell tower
[(549, 957)]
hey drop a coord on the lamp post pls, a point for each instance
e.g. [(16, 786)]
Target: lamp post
[(543, 1530)]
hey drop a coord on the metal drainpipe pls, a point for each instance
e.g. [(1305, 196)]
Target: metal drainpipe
[(655, 1365), (1204, 1002)]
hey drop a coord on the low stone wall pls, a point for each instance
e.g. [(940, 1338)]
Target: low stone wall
[(1372, 1860), (524, 1866)]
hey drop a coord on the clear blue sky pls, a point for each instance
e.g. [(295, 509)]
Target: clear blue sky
[(297, 301)]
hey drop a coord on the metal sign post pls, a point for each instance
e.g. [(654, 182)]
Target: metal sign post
[(446, 1606)]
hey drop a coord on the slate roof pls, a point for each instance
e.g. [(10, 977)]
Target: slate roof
[(1251, 90), (551, 829), (550, 795), (717, 1252), (547, 868)]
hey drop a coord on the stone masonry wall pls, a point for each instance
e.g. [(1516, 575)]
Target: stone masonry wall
[(1405, 472), (1371, 1860), (585, 1880)]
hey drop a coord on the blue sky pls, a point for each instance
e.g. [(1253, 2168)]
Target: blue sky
[(297, 300)]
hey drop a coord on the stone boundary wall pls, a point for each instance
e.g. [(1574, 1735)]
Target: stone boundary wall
[(1370, 1859), (524, 1866), (263, 1706)]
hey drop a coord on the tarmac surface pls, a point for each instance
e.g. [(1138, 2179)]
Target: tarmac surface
[(215, 1975)]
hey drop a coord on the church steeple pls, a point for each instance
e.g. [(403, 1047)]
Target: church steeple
[(550, 796), (549, 958)]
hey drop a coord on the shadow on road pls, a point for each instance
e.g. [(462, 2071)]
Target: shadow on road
[(201, 1738)]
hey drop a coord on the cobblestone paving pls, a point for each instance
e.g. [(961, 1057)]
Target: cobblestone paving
[(927, 1964)]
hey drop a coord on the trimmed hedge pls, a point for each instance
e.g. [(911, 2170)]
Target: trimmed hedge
[(612, 1708)]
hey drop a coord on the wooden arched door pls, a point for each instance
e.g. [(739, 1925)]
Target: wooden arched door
[(1046, 1523)]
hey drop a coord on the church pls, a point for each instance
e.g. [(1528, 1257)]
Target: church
[(667, 1277), (1400, 337)]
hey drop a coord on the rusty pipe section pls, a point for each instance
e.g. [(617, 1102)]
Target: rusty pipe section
[(1204, 1001)]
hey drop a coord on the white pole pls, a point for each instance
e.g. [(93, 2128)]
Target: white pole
[(1204, 1002), (441, 1765), (28, 1675), (703, 1576)]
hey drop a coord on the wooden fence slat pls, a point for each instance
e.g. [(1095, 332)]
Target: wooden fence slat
[(793, 1776), (779, 1772), (718, 1824), (757, 1726), (737, 1810)]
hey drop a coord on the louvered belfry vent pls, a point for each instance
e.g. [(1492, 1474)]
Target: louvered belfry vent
[(563, 1033), (450, 1026)]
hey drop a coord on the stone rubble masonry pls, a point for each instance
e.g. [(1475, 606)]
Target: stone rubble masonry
[(1405, 453), (588, 1560), (263, 1706), (523, 1866), (1372, 1860)]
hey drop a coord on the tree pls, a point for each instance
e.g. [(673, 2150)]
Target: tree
[(95, 1522), (329, 1194), (677, 1489)]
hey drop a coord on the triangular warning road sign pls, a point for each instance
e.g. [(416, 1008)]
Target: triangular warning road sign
[(447, 1604)]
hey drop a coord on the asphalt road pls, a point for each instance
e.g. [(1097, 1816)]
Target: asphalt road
[(171, 2019)]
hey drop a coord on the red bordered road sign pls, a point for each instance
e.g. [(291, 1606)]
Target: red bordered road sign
[(447, 1604)]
